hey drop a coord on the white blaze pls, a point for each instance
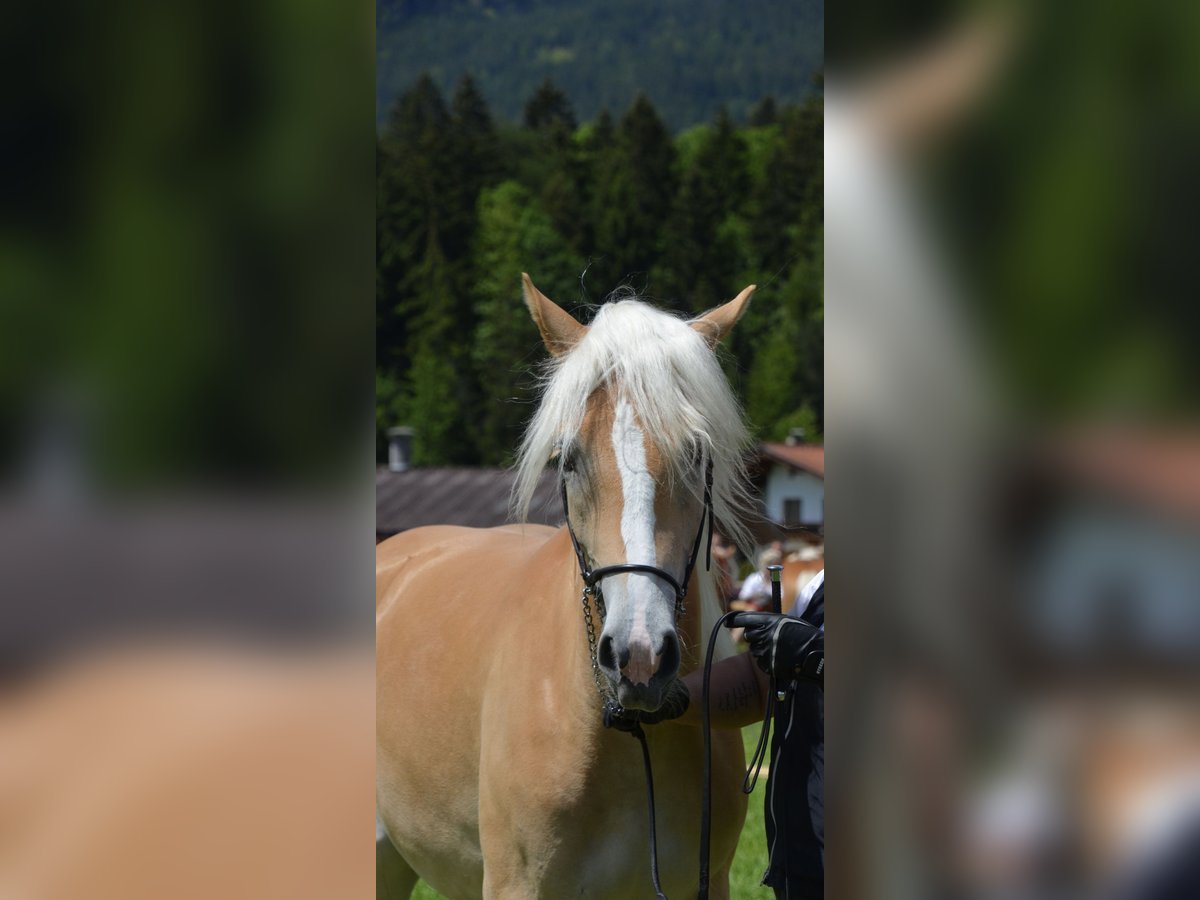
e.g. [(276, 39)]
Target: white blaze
[(637, 531)]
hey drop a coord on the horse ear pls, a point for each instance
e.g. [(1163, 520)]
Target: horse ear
[(716, 323), (560, 331)]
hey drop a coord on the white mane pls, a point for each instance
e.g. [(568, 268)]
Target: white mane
[(666, 371)]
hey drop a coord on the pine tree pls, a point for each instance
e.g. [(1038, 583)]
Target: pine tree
[(601, 134), (514, 236), (764, 113), (474, 141), (549, 110), (438, 392), (785, 384), (434, 162), (413, 185), (635, 185), (418, 115), (701, 258), (788, 199)]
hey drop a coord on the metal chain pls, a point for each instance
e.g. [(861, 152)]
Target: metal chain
[(591, 636)]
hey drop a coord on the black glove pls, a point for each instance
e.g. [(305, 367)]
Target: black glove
[(784, 646)]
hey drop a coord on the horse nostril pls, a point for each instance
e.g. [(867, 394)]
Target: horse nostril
[(669, 653), (604, 654)]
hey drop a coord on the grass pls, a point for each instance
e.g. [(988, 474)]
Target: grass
[(750, 861)]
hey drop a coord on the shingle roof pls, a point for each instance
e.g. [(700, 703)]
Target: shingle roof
[(809, 457), (474, 497)]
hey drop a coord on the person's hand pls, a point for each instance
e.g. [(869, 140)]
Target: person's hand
[(783, 646)]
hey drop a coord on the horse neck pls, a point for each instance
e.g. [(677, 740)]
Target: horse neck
[(694, 626), (563, 618)]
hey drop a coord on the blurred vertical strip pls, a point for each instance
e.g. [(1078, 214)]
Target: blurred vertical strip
[(1013, 445), (186, 446)]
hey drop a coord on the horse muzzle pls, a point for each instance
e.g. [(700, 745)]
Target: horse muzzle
[(638, 672)]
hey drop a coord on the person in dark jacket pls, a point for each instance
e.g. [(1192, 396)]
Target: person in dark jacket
[(787, 651)]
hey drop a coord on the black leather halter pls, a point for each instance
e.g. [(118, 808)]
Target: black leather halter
[(613, 714), (592, 577)]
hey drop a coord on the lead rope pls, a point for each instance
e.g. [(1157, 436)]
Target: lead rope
[(641, 736), (613, 715), (760, 751)]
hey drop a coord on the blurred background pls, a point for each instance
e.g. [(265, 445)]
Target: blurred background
[(185, 448), (1011, 420)]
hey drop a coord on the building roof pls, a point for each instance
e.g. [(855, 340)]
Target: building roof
[(475, 497), (806, 457), (1156, 470)]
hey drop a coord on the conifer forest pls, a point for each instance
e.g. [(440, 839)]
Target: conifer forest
[(467, 201)]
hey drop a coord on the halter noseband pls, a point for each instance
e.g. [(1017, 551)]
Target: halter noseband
[(593, 577)]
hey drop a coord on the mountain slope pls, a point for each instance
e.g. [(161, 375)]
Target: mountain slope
[(689, 56)]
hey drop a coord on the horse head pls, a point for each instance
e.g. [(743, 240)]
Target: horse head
[(642, 426)]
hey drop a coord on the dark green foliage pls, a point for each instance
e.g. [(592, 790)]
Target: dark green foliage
[(635, 184), (785, 382), (474, 138), (549, 110), (466, 205), (764, 112), (787, 201), (691, 57), (701, 257), (513, 232)]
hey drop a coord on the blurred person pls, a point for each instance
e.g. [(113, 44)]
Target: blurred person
[(755, 592), (724, 556)]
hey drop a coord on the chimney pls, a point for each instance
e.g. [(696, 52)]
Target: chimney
[(399, 448), (795, 437)]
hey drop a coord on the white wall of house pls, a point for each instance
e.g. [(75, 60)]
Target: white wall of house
[(1116, 575), (785, 483)]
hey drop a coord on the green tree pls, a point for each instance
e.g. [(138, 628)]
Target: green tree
[(438, 394), (785, 383), (549, 110), (430, 402), (701, 258), (413, 184), (635, 186), (514, 236), (764, 113), (473, 139), (788, 200), (562, 182)]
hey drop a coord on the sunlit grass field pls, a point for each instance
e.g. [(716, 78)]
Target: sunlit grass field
[(751, 858)]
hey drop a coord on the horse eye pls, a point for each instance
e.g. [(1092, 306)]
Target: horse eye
[(568, 463)]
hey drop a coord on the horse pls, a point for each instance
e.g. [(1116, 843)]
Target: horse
[(798, 570), (496, 777)]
